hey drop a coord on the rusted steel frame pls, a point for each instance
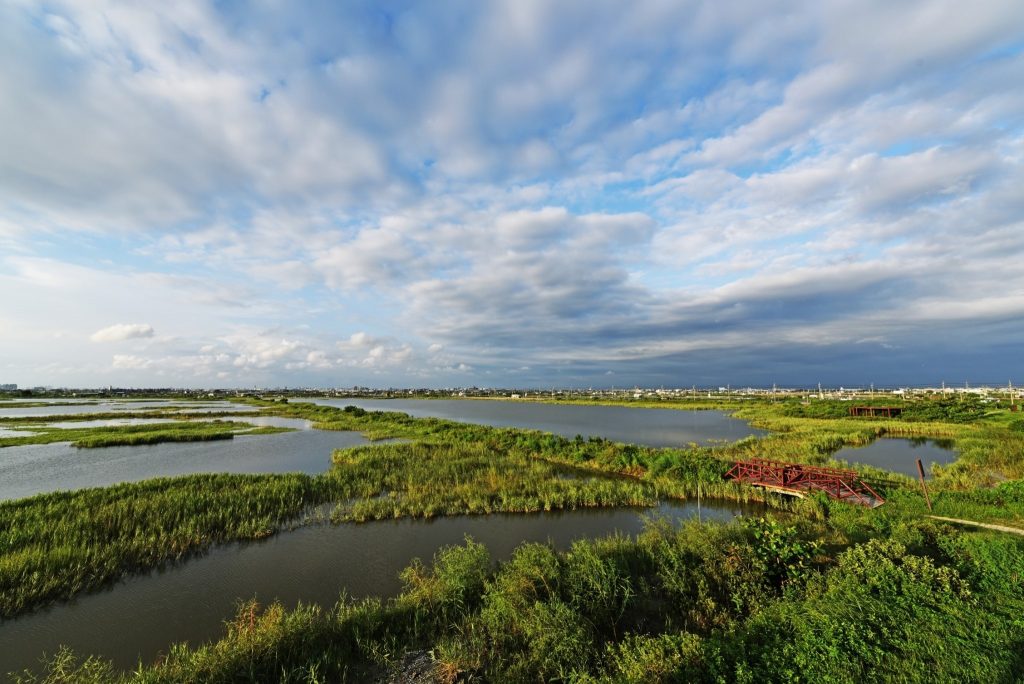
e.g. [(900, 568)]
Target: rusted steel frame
[(875, 494), (875, 411), (840, 484), (853, 494), (813, 477), (804, 468)]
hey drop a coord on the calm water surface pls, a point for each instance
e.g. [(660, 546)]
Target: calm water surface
[(11, 432), (650, 427), (112, 406), (28, 470), (900, 455), (138, 618), (109, 422)]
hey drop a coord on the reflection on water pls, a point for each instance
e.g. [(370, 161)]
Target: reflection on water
[(275, 421), (942, 443), (650, 427), (16, 432), (899, 455), (109, 422), (141, 616), (28, 470), (117, 406)]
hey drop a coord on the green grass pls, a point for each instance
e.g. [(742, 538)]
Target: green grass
[(426, 480), (748, 602), (53, 546), (989, 452), (51, 543)]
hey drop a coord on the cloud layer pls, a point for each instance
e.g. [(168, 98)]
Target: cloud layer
[(512, 193), (123, 331)]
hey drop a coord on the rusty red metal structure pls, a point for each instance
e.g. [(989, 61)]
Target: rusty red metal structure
[(795, 478), (875, 411)]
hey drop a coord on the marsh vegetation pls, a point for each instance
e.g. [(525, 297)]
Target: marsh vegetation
[(754, 601), (748, 601)]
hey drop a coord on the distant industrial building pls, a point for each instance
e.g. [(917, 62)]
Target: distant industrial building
[(8, 388)]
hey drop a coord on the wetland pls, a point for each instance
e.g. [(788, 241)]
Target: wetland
[(133, 539)]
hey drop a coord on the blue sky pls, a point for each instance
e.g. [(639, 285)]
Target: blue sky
[(511, 193)]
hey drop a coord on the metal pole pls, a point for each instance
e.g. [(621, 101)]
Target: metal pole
[(924, 487)]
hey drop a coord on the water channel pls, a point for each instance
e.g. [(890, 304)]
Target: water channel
[(68, 407), (646, 426), (141, 616), (37, 468)]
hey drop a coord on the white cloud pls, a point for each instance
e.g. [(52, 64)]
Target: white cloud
[(566, 183), (123, 331), (131, 362)]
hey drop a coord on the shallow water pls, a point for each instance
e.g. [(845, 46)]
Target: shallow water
[(274, 421), (113, 406), (37, 468), (900, 455), (141, 616), (649, 427), (16, 432), (228, 407), (109, 422)]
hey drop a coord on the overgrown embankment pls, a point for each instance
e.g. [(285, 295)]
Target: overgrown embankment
[(59, 544), (752, 601)]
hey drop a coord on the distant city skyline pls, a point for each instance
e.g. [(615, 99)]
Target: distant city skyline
[(1000, 389), (511, 194)]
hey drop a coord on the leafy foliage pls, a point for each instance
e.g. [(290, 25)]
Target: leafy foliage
[(614, 610)]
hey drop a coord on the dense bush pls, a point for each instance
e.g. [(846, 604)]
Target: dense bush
[(655, 609)]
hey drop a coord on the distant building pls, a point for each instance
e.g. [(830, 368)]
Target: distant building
[(8, 388)]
